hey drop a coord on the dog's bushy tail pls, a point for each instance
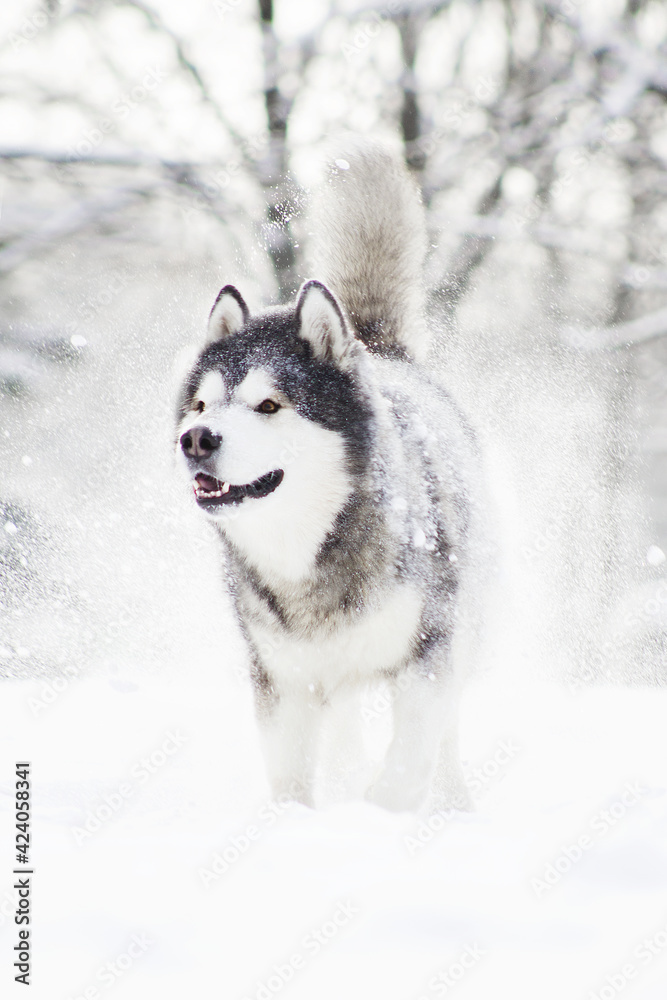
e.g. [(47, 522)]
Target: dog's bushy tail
[(370, 242)]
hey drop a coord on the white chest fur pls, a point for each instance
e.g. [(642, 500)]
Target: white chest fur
[(352, 653)]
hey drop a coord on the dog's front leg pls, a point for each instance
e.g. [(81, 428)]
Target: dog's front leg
[(425, 712), (289, 728)]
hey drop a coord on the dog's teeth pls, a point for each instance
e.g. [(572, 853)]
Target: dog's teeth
[(225, 489), (203, 494)]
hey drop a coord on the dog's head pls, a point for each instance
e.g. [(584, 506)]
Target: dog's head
[(274, 423)]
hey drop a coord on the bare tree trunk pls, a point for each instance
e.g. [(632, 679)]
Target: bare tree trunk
[(409, 27), (281, 194)]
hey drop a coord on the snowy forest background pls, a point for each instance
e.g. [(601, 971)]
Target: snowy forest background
[(151, 153)]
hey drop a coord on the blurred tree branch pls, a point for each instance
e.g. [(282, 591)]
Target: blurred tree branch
[(567, 97)]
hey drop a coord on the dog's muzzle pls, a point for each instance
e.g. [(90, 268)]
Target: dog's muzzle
[(200, 443)]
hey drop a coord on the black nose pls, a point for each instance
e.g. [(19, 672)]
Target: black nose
[(199, 442)]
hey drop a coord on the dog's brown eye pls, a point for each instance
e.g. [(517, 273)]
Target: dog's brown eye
[(199, 406), (268, 406)]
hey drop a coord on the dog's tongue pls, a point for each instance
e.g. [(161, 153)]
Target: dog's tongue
[(207, 483)]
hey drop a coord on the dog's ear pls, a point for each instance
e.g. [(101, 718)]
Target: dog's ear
[(322, 324), (228, 315)]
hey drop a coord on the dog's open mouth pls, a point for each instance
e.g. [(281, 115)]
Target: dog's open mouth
[(211, 492)]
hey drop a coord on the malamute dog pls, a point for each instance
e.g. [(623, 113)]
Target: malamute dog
[(341, 482)]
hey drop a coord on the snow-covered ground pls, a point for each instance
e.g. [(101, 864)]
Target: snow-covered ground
[(163, 870)]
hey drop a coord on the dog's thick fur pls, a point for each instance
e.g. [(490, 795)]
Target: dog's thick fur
[(350, 522)]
